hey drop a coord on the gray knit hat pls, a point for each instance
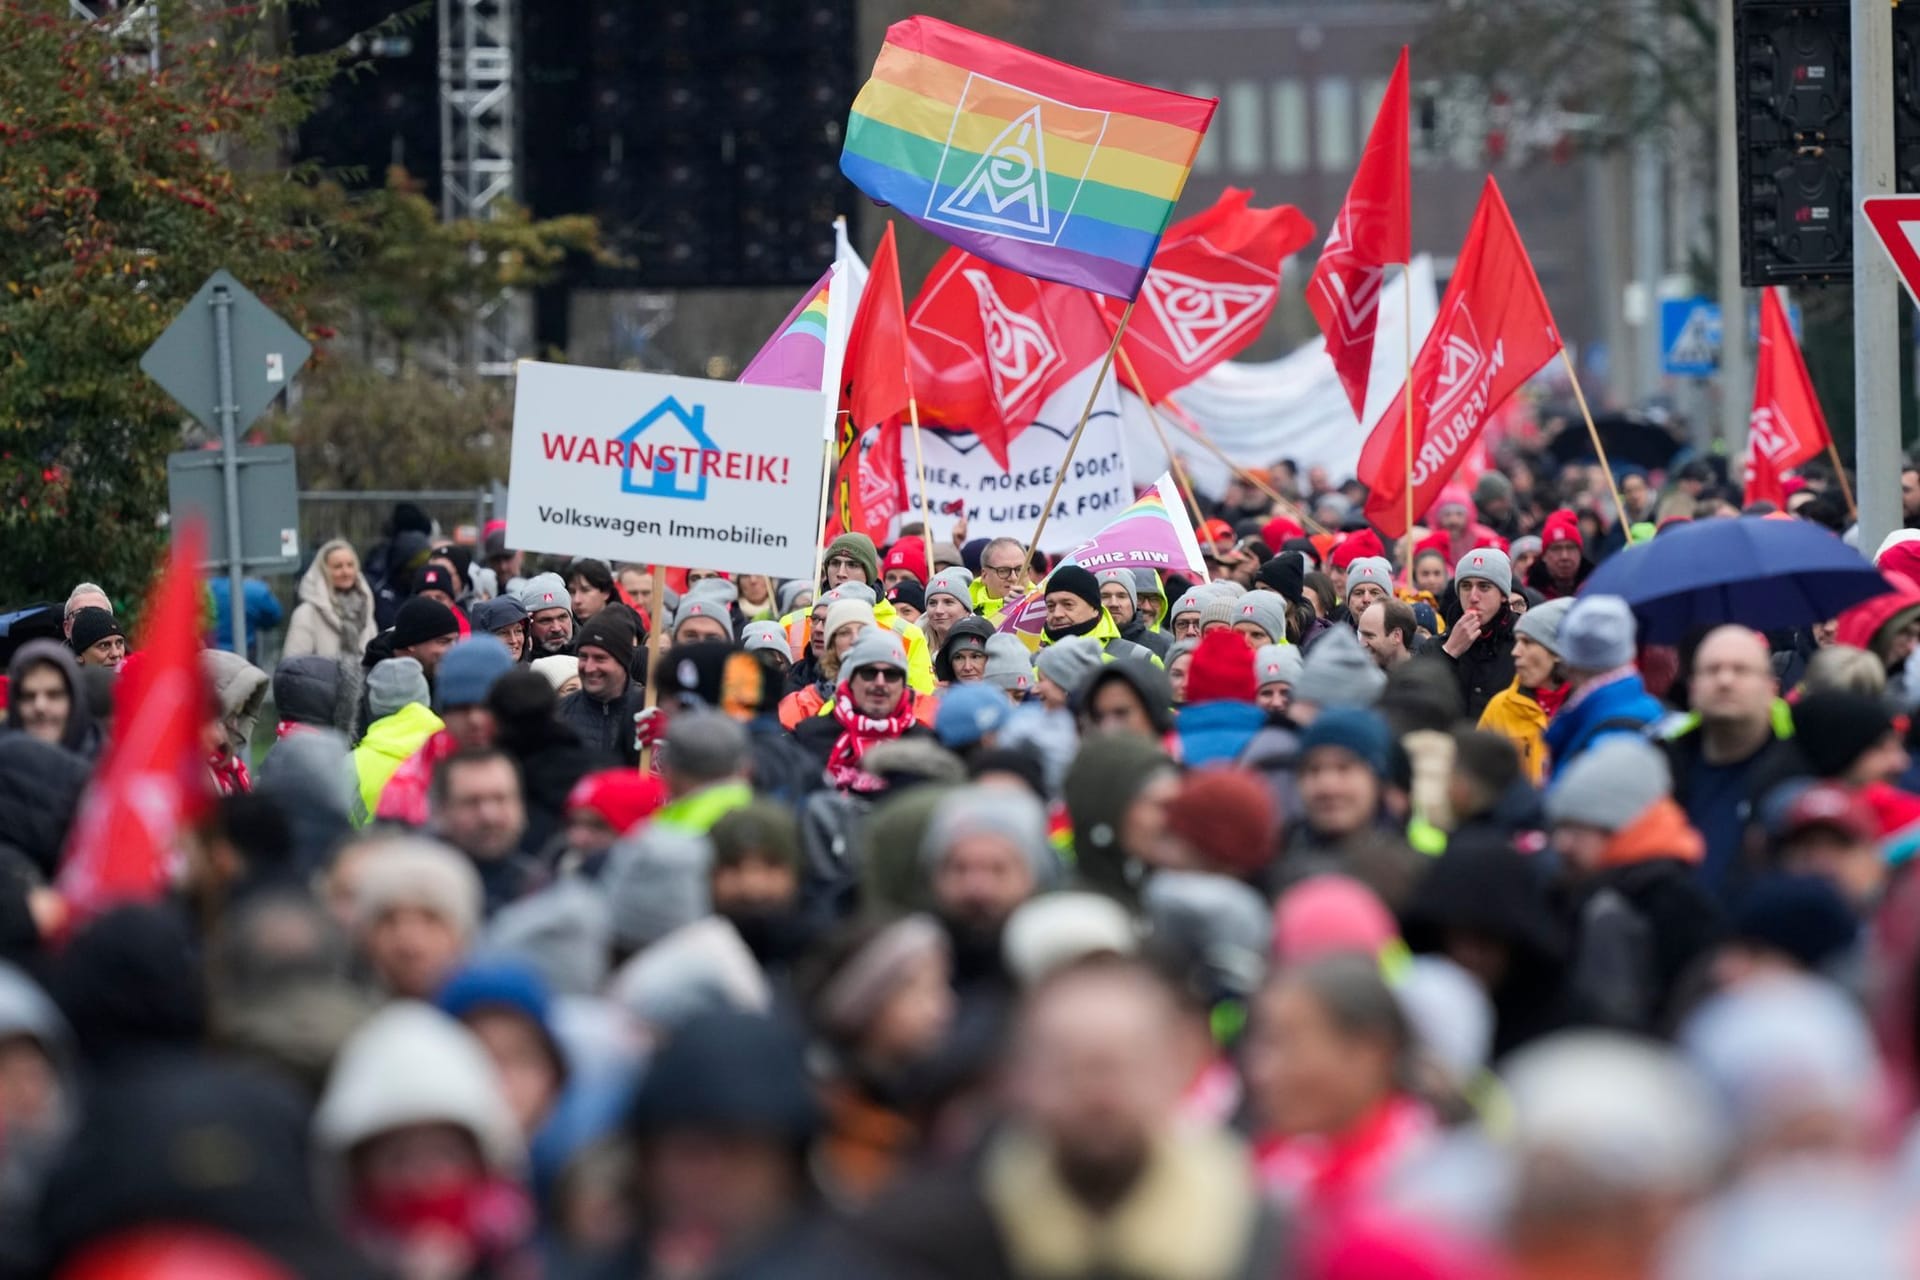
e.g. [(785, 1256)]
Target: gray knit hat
[(1071, 662), (847, 591), (790, 592), (1009, 665), (393, 683), (1610, 784), (1265, 609), (1597, 634), (654, 882), (951, 582), (1541, 624), (1373, 569), (1010, 813), (713, 589), (1276, 664), (1122, 578), (1146, 582), (704, 606), (1217, 608), (543, 591), (1529, 545), (1338, 673), (876, 647), (764, 635), (1489, 564), (1190, 601)]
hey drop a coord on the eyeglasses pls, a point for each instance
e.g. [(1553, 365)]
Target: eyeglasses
[(881, 675), (1000, 570)]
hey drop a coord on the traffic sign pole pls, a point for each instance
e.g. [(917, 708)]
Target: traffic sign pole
[(222, 303), (1876, 319)]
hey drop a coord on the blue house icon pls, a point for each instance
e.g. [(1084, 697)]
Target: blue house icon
[(673, 426)]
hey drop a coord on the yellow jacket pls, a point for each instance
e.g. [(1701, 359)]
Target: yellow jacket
[(390, 742), (1513, 714), (985, 605), (799, 628)]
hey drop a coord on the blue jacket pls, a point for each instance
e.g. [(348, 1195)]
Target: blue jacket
[(1619, 706), (263, 612), (1217, 732)]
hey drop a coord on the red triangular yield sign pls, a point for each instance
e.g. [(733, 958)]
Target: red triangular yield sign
[(1896, 224)]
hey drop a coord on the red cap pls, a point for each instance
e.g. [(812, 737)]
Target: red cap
[(1276, 531), (1828, 804), (1561, 526), (1222, 669), (624, 797), (1216, 530), (1364, 542), (909, 554)]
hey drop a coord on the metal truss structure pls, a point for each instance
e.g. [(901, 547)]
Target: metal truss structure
[(479, 143)]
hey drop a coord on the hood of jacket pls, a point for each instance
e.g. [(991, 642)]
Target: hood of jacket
[(971, 625), (79, 733), (40, 786), (1581, 716), (314, 589), (1661, 832), (1147, 680), (240, 687), (399, 735), (1862, 624), (306, 690), (1216, 732)]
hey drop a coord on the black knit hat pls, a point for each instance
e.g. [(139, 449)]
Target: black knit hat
[(1285, 573), (91, 626), (1836, 728), (613, 630), (434, 577), (1071, 577), (421, 620)]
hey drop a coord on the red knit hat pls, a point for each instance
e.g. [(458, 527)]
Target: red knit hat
[(909, 554), (1276, 531), (1561, 526), (1222, 669), (1227, 815), (623, 797), (1365, 542)]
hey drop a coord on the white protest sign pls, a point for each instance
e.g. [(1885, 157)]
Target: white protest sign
[(1099, 484), (664, 470)]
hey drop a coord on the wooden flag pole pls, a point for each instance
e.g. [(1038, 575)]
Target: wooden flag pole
[(920, 465), (826, 494), (1179, 468), (655, 635), (1093, 396), (1406, 422), (1846, 489), (1200, 439), (1600, 450)]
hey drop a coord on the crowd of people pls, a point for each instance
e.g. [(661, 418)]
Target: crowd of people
[(1349, 912)]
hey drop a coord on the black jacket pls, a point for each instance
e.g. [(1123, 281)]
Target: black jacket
[(605, 727), (40, 787), (1643, 930), (1487, 666), (1146, 637)]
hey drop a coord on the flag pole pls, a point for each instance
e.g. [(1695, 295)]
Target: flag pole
[(1199, 437), (1174, 463), (826, 492), (1846, 489), (920, 465), (657, 626), (1600, 450), (1406, 421), (1093, 396)]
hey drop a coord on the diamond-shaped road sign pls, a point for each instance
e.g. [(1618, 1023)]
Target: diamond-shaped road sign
[(266, 355)]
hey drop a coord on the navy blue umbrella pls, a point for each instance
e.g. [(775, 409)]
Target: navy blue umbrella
[(1758, 572)]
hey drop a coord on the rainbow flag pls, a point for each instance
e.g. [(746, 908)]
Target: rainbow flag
[(1154, 533), (797, 352), (1044, 168)]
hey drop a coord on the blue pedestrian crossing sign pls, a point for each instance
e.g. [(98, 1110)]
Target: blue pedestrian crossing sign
[(1689, 337)]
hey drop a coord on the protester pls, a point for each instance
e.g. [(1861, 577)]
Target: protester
[(1479, 642), (602, 711), (1606, 696), (1521, 712)]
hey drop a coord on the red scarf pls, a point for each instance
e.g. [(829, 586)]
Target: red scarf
[(859, 732), (1550, 700), (1324, 1174), (488, 1223), (230, 776)]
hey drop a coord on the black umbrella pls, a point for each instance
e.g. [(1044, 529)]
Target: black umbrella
[(1628, 440)]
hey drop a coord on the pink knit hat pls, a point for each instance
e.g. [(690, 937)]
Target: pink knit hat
[(1326, 915)]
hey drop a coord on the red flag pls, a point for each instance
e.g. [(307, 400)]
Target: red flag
[(1493, 332), (153, 781), (1371, 232), (990, 345), (1786, 427), (867, 483), (1211, 289)]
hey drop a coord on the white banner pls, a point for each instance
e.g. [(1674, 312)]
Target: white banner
[(664, 470), (1293, 407), (1099, 484)]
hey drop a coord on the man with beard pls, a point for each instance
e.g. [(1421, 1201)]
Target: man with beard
[(754, 882), (1094, 1147), (985, 852)]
